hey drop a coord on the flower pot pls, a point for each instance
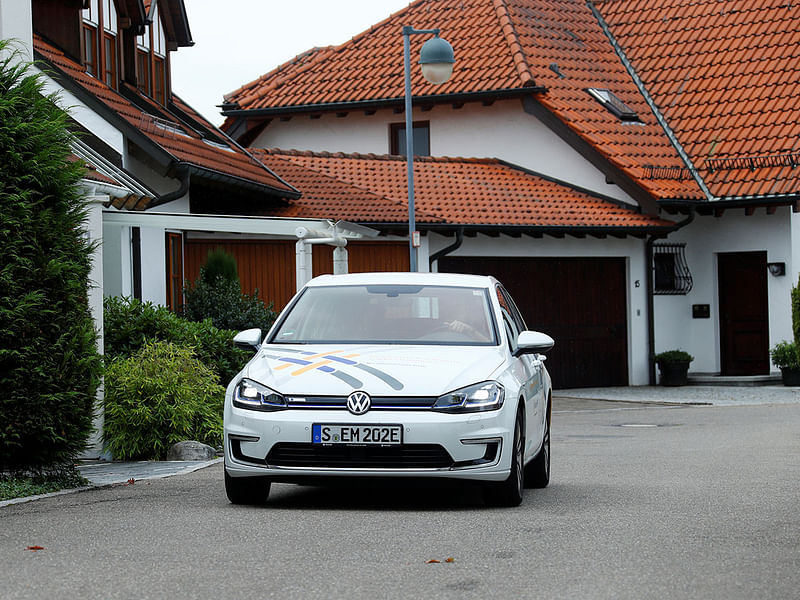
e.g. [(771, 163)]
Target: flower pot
[(674, 373), (790, 376)]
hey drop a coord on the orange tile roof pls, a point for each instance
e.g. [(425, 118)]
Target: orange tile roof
[(368, 188), (499, 45), (172, 136), (725, 73)]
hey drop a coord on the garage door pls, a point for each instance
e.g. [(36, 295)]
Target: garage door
[(580, 302)]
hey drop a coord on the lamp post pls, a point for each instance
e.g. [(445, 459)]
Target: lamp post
[(436, 59)]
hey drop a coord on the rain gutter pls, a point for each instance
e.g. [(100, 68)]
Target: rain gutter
[(448, 249)]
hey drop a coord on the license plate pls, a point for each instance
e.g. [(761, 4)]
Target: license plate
[(384, 435)]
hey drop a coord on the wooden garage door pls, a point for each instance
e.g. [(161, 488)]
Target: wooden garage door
[(365, 257), (266, 266), (580, 302), (269, 266)]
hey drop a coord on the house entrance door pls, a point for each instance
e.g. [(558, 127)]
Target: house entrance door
[(743, 313)]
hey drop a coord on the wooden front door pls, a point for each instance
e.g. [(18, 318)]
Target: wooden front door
[(743, 313), (580, 302)]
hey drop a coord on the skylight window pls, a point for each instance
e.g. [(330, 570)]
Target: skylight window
[(218, 145), (613, 104)]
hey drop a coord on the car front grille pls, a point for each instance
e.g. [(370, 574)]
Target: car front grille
[(378, 402), (407, 456)]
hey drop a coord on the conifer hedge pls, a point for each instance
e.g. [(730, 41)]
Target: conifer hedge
[(49, 365)]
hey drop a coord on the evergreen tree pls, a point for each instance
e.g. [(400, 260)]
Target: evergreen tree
[(49, 364)]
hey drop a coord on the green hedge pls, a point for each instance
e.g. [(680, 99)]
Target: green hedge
[(159, 396), (49, 364), (130, 323)]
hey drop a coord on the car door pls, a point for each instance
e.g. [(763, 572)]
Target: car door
[(530, 370)]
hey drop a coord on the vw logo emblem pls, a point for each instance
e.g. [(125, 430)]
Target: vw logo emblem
[(358, 403)]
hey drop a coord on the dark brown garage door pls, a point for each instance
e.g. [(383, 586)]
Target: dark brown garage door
[(580, 302)]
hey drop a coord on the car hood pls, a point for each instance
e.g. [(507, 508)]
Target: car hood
[(380, 370)]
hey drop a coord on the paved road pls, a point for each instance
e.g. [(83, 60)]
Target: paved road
[(646, 502)]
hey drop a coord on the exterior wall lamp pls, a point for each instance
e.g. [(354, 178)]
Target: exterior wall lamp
[(436, 59), (777, 268)]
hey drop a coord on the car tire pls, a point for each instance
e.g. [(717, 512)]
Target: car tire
[(509, 492), (247, 490), (537, 472)]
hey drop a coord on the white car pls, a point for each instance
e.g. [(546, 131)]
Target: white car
[(392, 375)]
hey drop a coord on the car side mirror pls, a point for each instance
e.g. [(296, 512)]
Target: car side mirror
[(533, 342), (249, 339)]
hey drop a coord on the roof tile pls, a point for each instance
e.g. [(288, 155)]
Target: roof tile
[(499, 44), (448, 191), (728, 68), (177, 138)]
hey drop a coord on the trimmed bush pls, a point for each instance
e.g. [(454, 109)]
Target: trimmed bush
[(795, 296), (223, 302), (219, 264), (49, 364), (673, 356), (159, 396), (130, 323), (217, 295)]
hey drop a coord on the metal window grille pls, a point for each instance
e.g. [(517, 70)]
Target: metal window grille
[(671, 274)]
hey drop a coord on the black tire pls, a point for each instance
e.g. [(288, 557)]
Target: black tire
[(509, 492), (247, 490), (537, 472)]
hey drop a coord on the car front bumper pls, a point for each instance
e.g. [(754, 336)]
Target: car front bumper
[(278, 444)]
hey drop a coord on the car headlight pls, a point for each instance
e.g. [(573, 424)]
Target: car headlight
[(488, 395), (254, 396)]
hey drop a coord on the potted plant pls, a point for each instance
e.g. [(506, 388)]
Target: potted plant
[(786, 357), (674, 367)]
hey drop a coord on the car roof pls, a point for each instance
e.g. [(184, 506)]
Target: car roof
[(400, 278)]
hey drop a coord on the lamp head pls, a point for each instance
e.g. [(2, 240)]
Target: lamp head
[(436, 59)]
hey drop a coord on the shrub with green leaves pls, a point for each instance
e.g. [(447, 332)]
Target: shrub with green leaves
[(130, 323), (223, 302), (786, 355), (795, 297), (49, 364), (673, 356), (159, 396), (219, 264), (217, 295)]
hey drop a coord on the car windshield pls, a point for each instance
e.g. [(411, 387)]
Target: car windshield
[(389, 314)]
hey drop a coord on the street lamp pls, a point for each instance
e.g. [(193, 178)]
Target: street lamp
[(436, 59)]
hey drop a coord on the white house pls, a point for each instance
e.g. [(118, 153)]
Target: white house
[(679, 113)]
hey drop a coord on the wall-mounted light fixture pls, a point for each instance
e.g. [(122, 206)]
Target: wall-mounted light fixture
[(777, 268)]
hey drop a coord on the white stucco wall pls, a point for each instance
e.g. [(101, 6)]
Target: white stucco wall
[(16, 24), (705, 238), (94, 230), (502, 130)]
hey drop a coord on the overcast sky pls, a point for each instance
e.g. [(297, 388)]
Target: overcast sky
[(236, 41)]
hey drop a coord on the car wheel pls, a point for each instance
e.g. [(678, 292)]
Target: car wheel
[(247, 490), (509, 492), (537, 472)]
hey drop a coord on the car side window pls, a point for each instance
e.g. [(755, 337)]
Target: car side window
[(512, 333), (509, 304)]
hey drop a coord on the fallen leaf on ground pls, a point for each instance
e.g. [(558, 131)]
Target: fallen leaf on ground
[(450, 559), (34, 548), (432, 561)]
